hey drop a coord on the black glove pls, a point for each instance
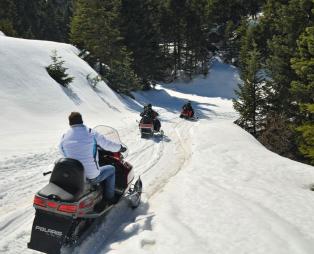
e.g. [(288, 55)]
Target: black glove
[(123, 149)]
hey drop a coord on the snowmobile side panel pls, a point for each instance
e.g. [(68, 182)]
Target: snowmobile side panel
[(49, 232)]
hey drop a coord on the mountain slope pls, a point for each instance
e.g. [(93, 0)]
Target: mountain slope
[(33, 102)]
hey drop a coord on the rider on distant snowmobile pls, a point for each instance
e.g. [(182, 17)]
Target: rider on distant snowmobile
[(187, 108), (149, 115), (80, 143)]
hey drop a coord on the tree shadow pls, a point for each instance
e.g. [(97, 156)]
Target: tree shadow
[(221, 82), (72, 95), (112, 228), (140, 215), (131, 104), (162, 99), (161, 138)]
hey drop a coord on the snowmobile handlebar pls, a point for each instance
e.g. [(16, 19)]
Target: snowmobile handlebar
[(47, 173)]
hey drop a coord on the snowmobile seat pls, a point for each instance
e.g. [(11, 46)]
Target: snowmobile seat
[(68, 175), (146, 120), (53, 191)]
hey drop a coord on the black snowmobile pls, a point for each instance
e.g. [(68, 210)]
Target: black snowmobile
[(150, 125), (68, 205), (147, 130)]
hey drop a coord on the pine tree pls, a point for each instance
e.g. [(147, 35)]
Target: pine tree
[(278, 135), (57, 71), (142, 37), (197, 27), (121, 77), (250, 94), (30, 18), (302, 90), (38, 19), (95, 27), (177, 10), (292, 18), (7, 15), (57, 20)]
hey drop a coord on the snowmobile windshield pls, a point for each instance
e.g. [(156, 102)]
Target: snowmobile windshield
[(111, 134)]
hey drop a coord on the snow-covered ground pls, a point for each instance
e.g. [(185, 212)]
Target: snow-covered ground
[(210, 187)]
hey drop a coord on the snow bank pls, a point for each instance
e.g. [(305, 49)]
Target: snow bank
[(230, 196), (34, 106)]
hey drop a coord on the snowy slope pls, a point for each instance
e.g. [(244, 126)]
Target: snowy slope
[(227, 195), (32, 102), (210, 187)]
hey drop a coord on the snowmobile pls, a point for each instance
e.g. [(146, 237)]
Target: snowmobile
[(69, 204), (188, 114), (147, 129)]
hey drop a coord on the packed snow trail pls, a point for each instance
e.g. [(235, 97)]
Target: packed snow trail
[(230, 195), (209, 187)]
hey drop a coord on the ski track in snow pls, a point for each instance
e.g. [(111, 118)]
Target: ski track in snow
[(138, 220), (16, 200)]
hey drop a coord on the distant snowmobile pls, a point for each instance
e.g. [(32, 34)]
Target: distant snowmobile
[(149, 124), (188, 112), (147, 130), (188, 116), (148, 127), (68, 205)]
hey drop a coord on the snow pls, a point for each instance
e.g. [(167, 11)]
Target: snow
[(34, 103), (1, 33), (209, 186)]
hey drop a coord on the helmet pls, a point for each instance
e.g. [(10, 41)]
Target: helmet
[(149, 105)]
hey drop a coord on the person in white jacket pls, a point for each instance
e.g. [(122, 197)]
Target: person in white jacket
[(80, 143)]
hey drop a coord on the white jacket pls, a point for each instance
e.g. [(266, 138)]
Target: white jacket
[(80, 143)]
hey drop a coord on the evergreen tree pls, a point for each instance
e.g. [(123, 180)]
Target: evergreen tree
[(177, 10), (36, 19), (95, 27), (57, 71), (278, 135), (57, 20), (293, 17), (185, 29), (197, 29), (7, 15), (250, 94), (302, 90), (139, 28), (30, 18), (121, 77)]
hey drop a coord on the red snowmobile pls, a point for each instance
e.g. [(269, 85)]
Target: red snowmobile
[(68, 205), (187, 112)]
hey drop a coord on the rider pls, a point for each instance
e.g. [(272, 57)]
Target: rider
[(188, 109), (151, 115), (80, 143)]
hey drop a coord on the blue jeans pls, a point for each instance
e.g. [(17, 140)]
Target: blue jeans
[(106, 175)]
